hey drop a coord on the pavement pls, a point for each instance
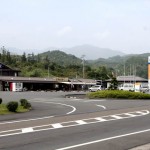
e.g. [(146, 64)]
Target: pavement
[(142, 147), (121, 125)]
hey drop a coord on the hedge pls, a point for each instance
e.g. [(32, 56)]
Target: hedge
[(118, 94)]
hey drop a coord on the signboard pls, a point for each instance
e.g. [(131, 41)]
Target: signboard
[(61, 79), (148, 59)]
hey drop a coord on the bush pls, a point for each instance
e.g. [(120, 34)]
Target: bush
[(118, 94), (25, 104), (12, 106), (1, 100)]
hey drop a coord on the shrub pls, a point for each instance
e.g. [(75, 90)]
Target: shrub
[(118, 94), (1, 100), (12, 106), (25, 104)]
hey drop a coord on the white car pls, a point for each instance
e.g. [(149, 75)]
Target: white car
[(95, 88)]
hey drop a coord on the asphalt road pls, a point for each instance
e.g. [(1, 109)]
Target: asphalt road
[(63, 123)]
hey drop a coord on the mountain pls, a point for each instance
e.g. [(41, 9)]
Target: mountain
[(92, 52), (60, 57)]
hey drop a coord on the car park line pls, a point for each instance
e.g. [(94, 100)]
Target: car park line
[(74, 123)]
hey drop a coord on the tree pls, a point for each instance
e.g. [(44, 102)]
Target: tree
[(113, 84), (23, 57)]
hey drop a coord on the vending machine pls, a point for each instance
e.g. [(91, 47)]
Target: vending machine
[(16, 86)]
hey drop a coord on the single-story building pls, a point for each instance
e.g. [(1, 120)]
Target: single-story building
[(11, 83), (128, 79)]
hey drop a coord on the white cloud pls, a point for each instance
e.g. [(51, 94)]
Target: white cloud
[(65, 30)]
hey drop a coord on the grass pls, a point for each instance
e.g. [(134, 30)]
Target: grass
[(4, 110)]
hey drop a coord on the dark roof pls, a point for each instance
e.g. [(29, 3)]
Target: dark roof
[(27, 79), (7, 68), (130, 78)]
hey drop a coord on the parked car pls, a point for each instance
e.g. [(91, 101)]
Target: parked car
[(95, 88), (127, 87)]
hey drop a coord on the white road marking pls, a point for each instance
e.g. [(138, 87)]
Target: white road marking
[(101, 106), (75, 99), (26, 130), (73, 123), (105, 139), (57, 125), (132, 115), (117, 117), (81, 122), (74, 109), (100, 119), (15, 121), (93, 101)]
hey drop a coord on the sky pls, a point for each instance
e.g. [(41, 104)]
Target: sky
[(122, 25)]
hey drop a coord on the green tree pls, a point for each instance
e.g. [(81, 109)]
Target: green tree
[(113, 84), (23, 57)]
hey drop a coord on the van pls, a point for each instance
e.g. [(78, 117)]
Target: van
[(127, 87)]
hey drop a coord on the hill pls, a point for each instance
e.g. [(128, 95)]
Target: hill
[(92, 52), (61, 58), (128, 64)]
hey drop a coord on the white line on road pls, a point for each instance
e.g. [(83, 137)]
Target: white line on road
[(105, 139), (117, 117), (81, 122), (26, 130), (72, 123), (93, 101), (74, 109), (15, 121), (57, 125), (101, 106)]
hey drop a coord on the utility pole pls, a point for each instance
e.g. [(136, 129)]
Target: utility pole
[(83, 61), (48, 71)]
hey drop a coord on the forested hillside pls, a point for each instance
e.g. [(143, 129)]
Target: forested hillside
[(128, 65), (59, 64)]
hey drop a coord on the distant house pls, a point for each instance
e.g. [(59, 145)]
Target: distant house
[(7, 71), (128, 79)]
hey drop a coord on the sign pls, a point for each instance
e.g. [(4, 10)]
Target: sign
[(149, 59)]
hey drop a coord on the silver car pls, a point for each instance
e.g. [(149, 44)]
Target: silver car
[(95, 88)]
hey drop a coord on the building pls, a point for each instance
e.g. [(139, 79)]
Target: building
[(7, 71), (128, 79), (12, 83)]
